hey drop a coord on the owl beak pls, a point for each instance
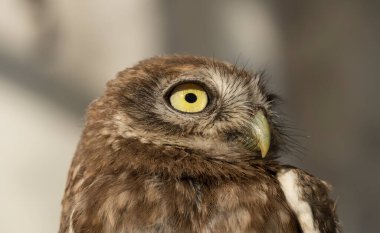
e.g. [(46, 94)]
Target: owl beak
[(261, 131)]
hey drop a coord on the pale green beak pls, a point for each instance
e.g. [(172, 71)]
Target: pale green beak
[(261, 131)]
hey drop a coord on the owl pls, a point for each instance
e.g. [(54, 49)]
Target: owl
[(189, 144)]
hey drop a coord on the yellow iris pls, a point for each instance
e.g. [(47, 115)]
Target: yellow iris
[(189, 97)]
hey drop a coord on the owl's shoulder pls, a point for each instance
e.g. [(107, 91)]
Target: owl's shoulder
[(308, 197)]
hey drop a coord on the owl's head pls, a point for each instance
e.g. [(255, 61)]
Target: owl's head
[(192, 103)]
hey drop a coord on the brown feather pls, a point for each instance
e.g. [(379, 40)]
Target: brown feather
[(142, 167)]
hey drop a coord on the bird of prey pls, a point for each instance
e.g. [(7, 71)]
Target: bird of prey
[(189, 144)]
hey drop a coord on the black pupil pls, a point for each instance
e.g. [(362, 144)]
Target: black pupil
[(190, 97)]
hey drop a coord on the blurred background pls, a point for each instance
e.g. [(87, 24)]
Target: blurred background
[(322, 57)]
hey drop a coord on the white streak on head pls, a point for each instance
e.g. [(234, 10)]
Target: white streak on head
[(290, 187)]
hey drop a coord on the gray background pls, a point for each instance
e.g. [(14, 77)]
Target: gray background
[(322, 57)]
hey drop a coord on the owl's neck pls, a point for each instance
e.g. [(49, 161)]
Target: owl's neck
[(177, 162), (200, 159)]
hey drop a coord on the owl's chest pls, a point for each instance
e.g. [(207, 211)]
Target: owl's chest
[(189, 205)]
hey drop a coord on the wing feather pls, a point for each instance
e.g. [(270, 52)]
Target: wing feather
[(308, 197)]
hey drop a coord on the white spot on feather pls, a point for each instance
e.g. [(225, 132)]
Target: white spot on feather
[(71, 229), (292, 191)]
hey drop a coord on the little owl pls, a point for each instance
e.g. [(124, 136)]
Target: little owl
[(189, 144)]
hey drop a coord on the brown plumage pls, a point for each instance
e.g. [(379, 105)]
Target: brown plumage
[(144, 166)]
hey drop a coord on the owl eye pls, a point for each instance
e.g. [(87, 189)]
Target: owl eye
[(189, 97)]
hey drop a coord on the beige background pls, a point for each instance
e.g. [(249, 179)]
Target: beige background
[(322, 57)]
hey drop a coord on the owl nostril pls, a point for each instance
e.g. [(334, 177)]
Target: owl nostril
[(190, 97)]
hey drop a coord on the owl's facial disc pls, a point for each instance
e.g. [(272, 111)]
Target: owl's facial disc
[(191, 97), (260, 131)]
